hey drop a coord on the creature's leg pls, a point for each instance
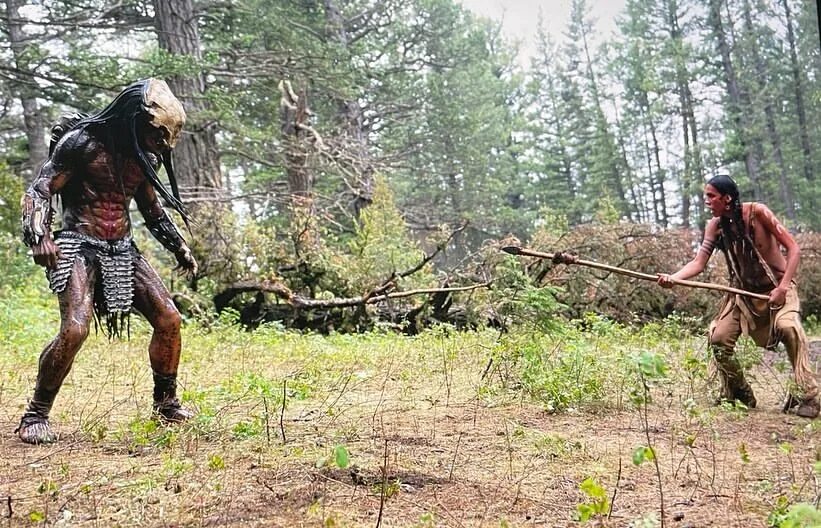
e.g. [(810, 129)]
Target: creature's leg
[(152, 299), (724, 332), (76, 312)]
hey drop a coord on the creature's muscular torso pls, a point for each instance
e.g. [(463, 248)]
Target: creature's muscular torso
[(97, 188)]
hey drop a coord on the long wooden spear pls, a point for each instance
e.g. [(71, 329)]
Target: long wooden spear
[(564, 258)]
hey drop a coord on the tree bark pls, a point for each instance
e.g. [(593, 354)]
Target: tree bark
[(196, 155), (352, 116), (33, 117), (769, 114), (636, 206), (294, 126), (800, 110), (735, 107), (656, 174), (692, 155)]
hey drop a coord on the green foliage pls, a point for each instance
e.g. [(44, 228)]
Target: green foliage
[(390, 489), (29, 312), (248, 428), (227, 373), (795, 515), (18, 268), (556, 446), (341, 266), (744, 453), (216, 462), (516, 298), (11, 190), (642, 454), (594, 363), (382, 245), (651, 365), (649, 368), (426, 520), (564, 369), (597, 505), (341, 456), (145, 433), (465, 131), (606, 211)]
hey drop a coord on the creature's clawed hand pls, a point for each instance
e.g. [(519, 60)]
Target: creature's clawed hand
[(186, 262), (46, 253)]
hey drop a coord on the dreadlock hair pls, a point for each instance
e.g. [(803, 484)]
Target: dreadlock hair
[(116, 126), (121, 115)]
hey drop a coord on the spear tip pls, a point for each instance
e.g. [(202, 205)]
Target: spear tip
[(513, 250)]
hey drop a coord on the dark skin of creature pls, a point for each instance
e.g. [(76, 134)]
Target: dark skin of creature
[(96, 187)]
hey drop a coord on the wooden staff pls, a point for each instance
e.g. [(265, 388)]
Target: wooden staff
[(562, 258)]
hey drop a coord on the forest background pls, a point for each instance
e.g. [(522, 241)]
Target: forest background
[(343, 160), (302, 115)]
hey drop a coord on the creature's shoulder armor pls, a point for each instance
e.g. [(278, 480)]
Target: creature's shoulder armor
[(65, 123)]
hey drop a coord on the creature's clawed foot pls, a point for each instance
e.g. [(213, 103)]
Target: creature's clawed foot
[(171, 411), (34, 429)]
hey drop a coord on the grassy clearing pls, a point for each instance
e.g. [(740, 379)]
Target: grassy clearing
[(564, 427)]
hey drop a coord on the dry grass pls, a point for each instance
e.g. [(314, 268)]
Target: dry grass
[(456, 449)]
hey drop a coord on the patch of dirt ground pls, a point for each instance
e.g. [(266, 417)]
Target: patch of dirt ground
[(434, 455)]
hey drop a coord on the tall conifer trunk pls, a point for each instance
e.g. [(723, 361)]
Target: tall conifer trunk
[(735, 107), (798, 93), (769, 114), (196, 156), (33, 117), (352, 117), (691, 179)]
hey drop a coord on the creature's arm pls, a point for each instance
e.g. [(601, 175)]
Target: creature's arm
[(163, 228), (699, 262), (37, 213)]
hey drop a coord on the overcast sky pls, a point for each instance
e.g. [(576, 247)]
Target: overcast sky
[(521, 17)]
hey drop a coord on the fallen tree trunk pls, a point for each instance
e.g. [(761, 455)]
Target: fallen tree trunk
[(306, 303), (325, 315)]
